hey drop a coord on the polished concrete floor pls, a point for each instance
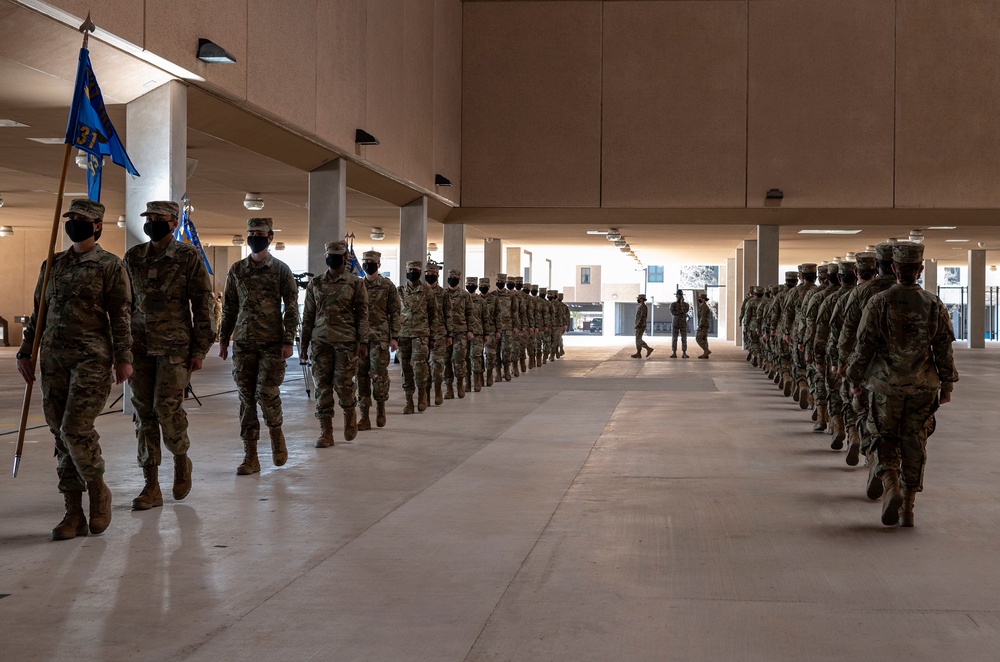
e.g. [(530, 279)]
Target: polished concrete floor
[(598, 508)]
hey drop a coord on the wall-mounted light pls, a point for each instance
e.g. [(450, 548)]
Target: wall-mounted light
[(209, 51), (121, 222), (6, 231), (774, 194), (254, 201), (362, 137), (441, 180), (917, 236), (377, 234), (238, 240)]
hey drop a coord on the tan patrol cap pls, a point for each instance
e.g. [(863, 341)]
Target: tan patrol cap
[(260, 225), (162, 208), (908, 252), (483, 281), (791, 275), (512, 279), (85, 207), (432, 267), (847, 266), (807, 268), (414, 264), (519, 279), (471, 280), (501, 278), (884, 251), (864, 260), (336, 248), (372, 255), (454, 273)]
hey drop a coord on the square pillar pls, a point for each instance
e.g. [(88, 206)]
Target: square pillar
[(976, 318), (730, 308), (767, 255), (454, 249), (749, 268), (412, 234), (514, 261), (741, 287), (492, 259), (930, 276), (327, 210)]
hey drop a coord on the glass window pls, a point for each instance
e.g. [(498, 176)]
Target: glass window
[(655, 274), (585, 275)]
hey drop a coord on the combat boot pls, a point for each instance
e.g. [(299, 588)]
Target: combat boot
[(461, 388), (684, 355), (422, 399), (182, 476), (821, 418), (893, 499), (408, 409), (506, 372), (449, 392), (351, 423), (514, 368), (874, 489), (749, 355), (674, 355), (531, 361), (635, 356), (438, 398), (906, 514), (150, 497), (279, 452), (853, 446), (786, 384), (524, 368), (380, 412), (325, 439), (365, 423), (489, 376), (803, 397), (100, 505), (478, 386), (250, 464), (74, 522), (839, 434)]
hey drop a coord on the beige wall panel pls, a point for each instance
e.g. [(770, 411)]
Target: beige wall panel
[(173, 28), (281, 62), (531, 104), (820, 108), (386, 106), (340, 75), (674, 130), (418, 90), (947, 125), (122, 18), (21, 257), (448, 94)]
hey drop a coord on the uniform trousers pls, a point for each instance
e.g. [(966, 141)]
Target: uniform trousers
[(373, 374), (258, 371), (157, 384), (413, 353), (334, 367)]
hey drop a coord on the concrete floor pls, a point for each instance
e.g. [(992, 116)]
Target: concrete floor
[(600, 508)]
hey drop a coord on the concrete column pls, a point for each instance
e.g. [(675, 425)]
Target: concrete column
[(156, 139), (728, 310), (492, 260), (976, 318), (514, 261), (741, 287), (930, 276), (767, 255), (412, 234), (749, 268), (454, 249), (327, 210)]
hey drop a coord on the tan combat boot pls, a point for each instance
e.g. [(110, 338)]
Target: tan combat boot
[(893, 499), (74, 522), (906, 514), (325, 439), (182, 476), (460, 387), (506, 373), (524, 367), (438, 398), (408, 409), (821, 418), (449, 393), (786, 384), (489, 375), (365, 423), (380, 412), (803, 396), (422, 398), (351, 423), (531, 361), (514, 368), (479, 382), (839, 433), (250, 464), (874, 489), (100, 505), (150, 497), (279, 453), (853, 446)]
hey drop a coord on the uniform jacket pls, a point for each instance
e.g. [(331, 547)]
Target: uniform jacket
[(679, 310), (461, 318), (418, 312), (641, 313), (336, 310), (704, 316), (384, 314), (252, 312)]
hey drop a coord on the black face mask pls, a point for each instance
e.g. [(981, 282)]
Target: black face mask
[(334, 261), (510, 286), (534, 293), (500, 284), (791, 283), (79, 230), (471, 289), (371, 268), (484, 289), (258, 244), (453, 282), (430, 279), (413, 276), (518, 287), (156, 230)]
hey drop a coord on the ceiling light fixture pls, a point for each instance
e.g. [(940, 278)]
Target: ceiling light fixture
[(12, 124), (956, 241), (212, 53), (238, 240), (48, 141), (916, 236), (362, 137), (254, 201), (81, 159), (121, 222), (829, 231), (6, 231), (431, 247), (597, 232), (620, 242), (774, 194), (279, 246), (441, 180), (377, 234), (942, 227)]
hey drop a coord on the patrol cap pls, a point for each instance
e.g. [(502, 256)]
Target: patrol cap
[(518, 279), (432, 267), (807, 268), (511, 279), (847, 266), (757, 289), (372, 255), (414, 264), (559, 294), (542, 290), (472, 280), (641, 296), (864, 260), (776, 289), (908, 252), (85, 207), (501, 277), (162, 208), (526, 286), (883, 251), (454, 273), (823, 268), (534, 287), (791, 275), (483, 281), (336, 248), (260, 224)]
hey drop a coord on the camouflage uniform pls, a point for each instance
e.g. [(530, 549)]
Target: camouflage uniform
[(526, 314), (792, 313), (641, 315), (260, 315), (679, 312), (829, 318), (334, 323), (216, 315), (438, 355), (383, 327), (904, 353), (704, 324), (491, 331), (548, 315), (172, 303), (461, 323), (482, 330), (562, 322), (503, 301), (419, 322)]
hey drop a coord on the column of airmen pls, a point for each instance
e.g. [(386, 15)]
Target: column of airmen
[(151, 318), (869, 351)]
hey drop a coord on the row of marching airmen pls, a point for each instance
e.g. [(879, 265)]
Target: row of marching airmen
[(870, 352), (148, 319)]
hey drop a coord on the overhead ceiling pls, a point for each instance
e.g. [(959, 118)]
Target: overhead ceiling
[(37, 88)]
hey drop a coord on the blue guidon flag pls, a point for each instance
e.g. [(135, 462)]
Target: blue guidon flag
[(89, 128), (187, 232), (353, 265)]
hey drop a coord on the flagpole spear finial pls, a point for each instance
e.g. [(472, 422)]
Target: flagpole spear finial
[(86, 28)]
